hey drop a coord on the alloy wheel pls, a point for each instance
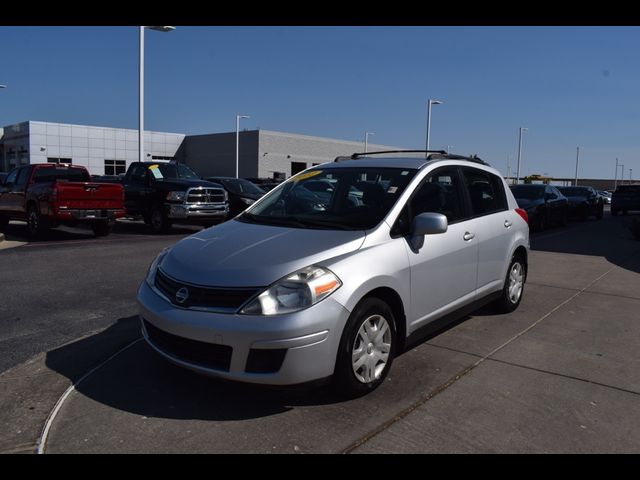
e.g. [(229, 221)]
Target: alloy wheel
[(516, 282)]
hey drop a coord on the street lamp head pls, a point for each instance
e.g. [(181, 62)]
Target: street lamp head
[(435, 102), (3, 86), (166, 28)]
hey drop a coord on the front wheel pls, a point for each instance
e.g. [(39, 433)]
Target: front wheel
[(158, 220), (513, 286), (600, 212), (367, 348)]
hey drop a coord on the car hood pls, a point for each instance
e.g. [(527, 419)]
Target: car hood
[(180, 185), (238, 254)]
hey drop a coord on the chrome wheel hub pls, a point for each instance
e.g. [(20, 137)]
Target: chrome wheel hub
[(516, 282), (370, 352)]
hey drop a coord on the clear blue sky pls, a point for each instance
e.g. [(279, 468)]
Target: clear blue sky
[(569, 86)]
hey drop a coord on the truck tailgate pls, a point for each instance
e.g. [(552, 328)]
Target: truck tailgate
[(89, 195)]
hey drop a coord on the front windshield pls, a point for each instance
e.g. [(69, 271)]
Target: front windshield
[(172, 171), (333, 198), (240, 186), (527, 192)]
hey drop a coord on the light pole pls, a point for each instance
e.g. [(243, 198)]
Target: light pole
[(366, 140), (615, 181), (630, 172), (508, 168), (522, 129), (575, 183), (449, 148), (238, 117), (431, 102), (141, 88)]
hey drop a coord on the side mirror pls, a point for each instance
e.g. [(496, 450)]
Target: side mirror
[(426, 224)]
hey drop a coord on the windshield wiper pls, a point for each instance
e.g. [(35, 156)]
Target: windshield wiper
[(280, 221), (323, 223)]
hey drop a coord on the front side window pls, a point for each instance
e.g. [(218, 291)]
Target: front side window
[(333, 198), (485, 192), (11, 178)]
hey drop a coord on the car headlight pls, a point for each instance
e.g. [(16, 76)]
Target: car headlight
[(247, 201), (176, 196), (153, 268), (296, 291)]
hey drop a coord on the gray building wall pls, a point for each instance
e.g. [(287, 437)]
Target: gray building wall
[(89, 146), (278, 150), (215, 154), (263, 152)]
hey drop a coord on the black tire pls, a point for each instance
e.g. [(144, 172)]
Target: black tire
[(4, 221), (600, 212), (624, 212), (101, 228), (158, 220), (541, 222), (506, 303), (564, 218), (346, 382), (614, 212), (37, 225)]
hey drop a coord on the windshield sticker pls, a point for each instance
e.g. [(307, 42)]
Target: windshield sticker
[(404, 172), (304, 176), (155, 170), (392, 190)]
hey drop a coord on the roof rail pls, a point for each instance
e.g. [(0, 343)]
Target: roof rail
[(430, 154)]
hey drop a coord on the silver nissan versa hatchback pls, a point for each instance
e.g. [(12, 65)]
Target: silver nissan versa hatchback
[(334, 271)]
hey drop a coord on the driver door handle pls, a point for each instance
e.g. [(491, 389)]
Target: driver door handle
[(468, 236)]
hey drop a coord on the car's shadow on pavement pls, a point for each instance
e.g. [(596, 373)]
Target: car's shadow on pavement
[(139, 381), (610, 238)]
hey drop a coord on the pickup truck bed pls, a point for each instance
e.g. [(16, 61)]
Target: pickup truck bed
[(48, 195)]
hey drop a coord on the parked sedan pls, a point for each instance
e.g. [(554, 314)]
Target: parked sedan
[(606, 197), (242, 193), (544, 204), (584, 202)]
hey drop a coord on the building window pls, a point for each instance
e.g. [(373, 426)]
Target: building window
[(158, 157), (59, 160), (115, 167), (297, 167)]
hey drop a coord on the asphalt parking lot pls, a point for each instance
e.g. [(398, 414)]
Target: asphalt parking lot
[(561, 374)]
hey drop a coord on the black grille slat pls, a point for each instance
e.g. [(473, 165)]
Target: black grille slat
[(203, 297), (209, 355)]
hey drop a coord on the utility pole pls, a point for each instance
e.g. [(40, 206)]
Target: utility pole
[(575, 183)]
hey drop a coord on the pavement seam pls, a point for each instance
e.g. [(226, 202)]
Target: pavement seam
[(617, 295), (42, 441), (526, 367), (421, 401)]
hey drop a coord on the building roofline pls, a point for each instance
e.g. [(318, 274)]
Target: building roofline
[(89, 126)]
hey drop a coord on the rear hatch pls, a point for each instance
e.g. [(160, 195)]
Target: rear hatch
[(627, 195)]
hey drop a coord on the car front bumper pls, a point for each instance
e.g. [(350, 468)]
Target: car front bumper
[(294, 348), (196, 212)]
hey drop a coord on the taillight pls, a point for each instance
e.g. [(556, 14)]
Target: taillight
[(523, 214)]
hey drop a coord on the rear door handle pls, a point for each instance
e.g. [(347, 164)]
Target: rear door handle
[(468, 236), (507, 224)]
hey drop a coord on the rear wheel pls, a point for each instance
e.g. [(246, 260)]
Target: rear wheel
[(101, 228), (367, 348), (614, 212), (513, 286), (600, 212), (4, 221), (37, 225)]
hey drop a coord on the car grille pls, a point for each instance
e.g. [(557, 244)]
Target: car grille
[(205, 195), (226, 299), (209, 355)]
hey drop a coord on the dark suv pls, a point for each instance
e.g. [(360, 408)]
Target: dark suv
[(625, 198)]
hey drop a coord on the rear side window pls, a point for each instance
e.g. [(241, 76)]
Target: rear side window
[(65, 174), (22, 176), (486, 192)]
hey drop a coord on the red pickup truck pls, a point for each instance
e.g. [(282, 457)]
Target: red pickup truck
[(47, 195)]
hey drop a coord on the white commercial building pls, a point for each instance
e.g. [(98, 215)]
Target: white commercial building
[(103, 150)]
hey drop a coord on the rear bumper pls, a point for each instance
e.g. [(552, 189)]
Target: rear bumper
[(75, 215)]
